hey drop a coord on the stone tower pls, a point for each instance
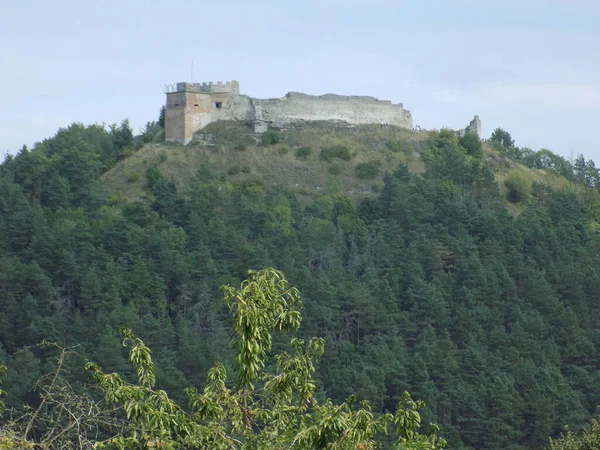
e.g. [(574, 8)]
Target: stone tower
[(475, 126), (192, 106)]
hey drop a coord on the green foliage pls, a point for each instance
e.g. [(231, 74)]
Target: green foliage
[(234, 170), (303, 153), (337, 151), (282, 151), (161, 116), (334, 170), (502, 138), (133, 178), (580, 172), (9, 441), (123, 135), (398, 146), (162, 157), (270, 137), (65, 168), (263, 304), (518, 188), (472, 144), (587, 439), (367, 170), (282, 413), (430, 287), (2, 375), (153, 176), (152, 132)]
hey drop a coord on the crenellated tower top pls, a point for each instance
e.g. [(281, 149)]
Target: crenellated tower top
[(230, 87)]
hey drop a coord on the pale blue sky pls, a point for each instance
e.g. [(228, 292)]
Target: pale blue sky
[(531, 67)]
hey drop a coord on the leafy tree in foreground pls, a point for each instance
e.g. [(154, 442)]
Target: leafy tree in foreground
[(262, 410), (2, 374), (588, 439)]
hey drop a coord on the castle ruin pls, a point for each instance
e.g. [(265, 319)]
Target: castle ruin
[(192, 106), (473, 127)]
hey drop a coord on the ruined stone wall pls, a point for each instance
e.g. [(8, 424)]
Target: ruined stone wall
[(192, 106), (234, 107), (473, 127), (351, 109)]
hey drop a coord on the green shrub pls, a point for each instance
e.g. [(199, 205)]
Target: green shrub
[(133, 178), (204, 175), (150, 132), (270, 137), (398, 146), (234, 170), (159, 137), (518, 188), (153, 176), (241, 147), (253, 185), (337, 151), (326, 155), (368, 170), (283, 150), (303, 153), (162, 157), (472, 144), (334, 170)]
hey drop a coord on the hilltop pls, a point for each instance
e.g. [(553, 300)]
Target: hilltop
[(232, 150), (457, 270)]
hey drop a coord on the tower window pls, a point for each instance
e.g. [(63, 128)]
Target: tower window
[(196, 104), (219, 105)]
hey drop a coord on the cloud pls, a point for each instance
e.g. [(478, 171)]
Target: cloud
[(563, 96), (547, 95)]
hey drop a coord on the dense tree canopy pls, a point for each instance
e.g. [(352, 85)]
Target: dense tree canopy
[(430, 287)]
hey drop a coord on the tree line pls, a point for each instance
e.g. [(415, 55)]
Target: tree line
[(431, 287)]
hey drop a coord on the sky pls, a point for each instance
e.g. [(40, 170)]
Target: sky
[(531, 67)]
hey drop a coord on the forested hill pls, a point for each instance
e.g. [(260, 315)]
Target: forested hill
[(426, 280)]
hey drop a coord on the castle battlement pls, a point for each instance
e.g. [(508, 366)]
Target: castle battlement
[(207, 87), (192, 106)]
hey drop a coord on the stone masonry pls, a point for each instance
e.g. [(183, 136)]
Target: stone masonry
[(192, 106), (473, 127)]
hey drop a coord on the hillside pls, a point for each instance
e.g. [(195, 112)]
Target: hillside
[(229, 149), (409, 261), (232, 150)]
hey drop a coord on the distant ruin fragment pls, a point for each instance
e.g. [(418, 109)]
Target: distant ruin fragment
[(473, 127)]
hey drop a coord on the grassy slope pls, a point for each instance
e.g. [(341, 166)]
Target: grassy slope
[(504, 167), (233, 152)]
